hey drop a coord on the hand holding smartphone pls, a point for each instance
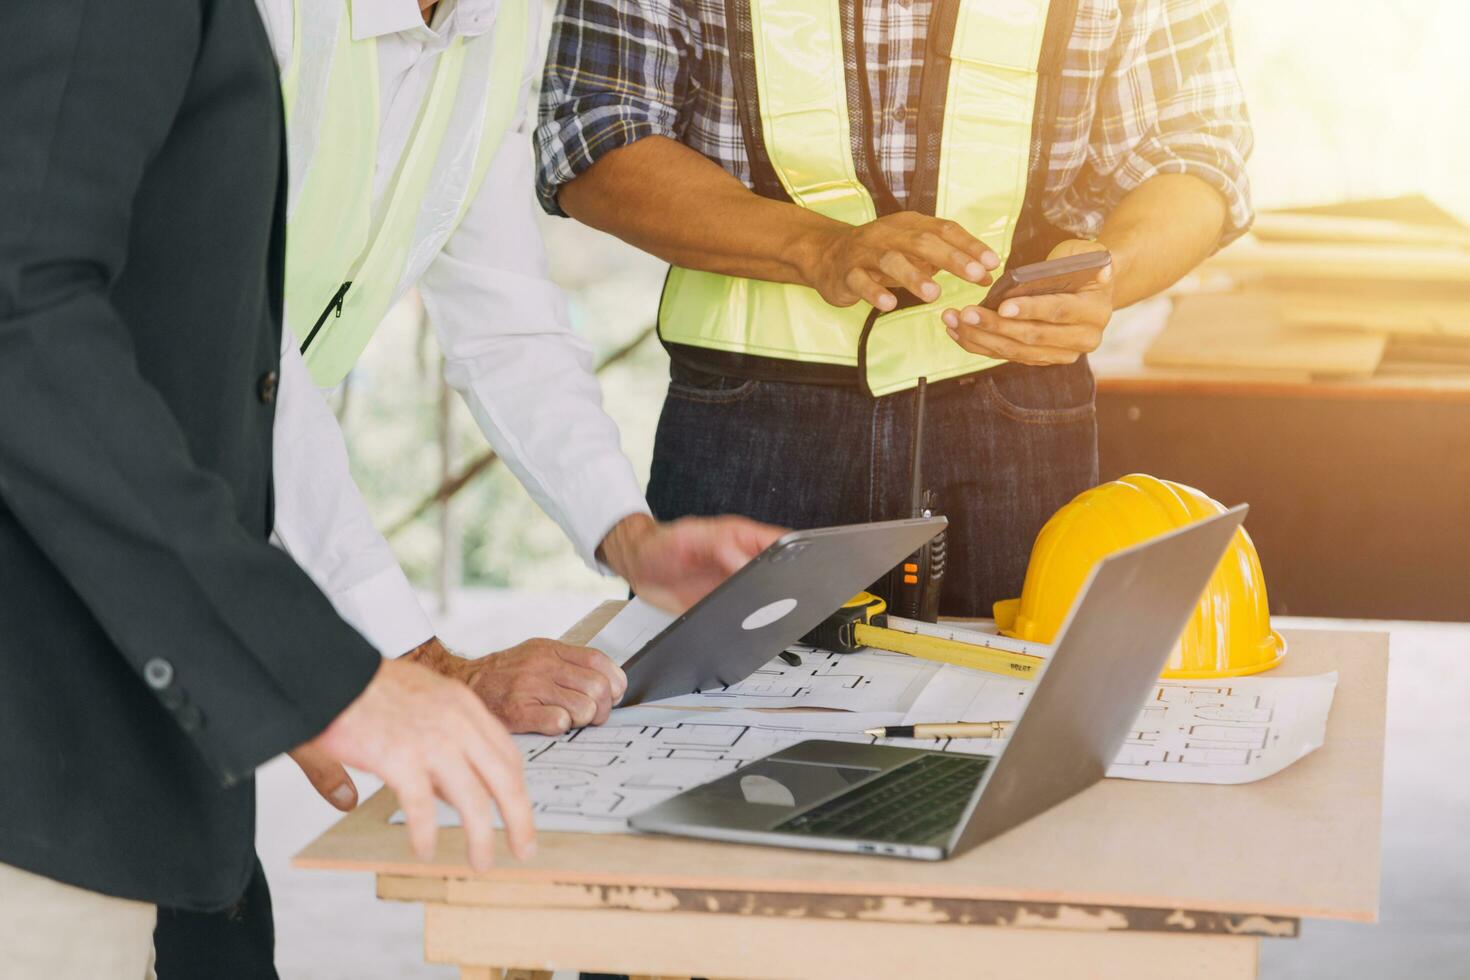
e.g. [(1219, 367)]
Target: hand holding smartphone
[(1068, 274)]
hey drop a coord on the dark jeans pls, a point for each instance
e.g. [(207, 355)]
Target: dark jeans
[(1003, 449), (238, 943)]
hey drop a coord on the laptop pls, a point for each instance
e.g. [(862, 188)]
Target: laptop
[(769, 604), (928, 805)]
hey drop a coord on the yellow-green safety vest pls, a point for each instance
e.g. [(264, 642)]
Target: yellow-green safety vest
[(799, 81), (343, 272)]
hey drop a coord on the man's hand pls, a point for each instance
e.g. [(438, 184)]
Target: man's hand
[(427, 736), (848, 263), (327, 775), (538, 686), (1039, 330), (675, 564)]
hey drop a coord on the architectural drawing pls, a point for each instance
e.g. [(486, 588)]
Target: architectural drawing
[(593, 779), (868, 680), (1218, 731)]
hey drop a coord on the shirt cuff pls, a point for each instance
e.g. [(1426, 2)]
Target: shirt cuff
[(1221, 165), (602, 496), (386, 611), (577, 136)]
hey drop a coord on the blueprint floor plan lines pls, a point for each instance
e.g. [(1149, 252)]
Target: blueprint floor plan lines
[(593, 779), (1213, 732), (868, 680)]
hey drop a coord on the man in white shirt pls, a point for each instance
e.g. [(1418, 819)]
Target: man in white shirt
[(480, 267)]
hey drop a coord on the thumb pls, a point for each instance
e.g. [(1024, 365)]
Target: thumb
[(743, 540), (327, 776)]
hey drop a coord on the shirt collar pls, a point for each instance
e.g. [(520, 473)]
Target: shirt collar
[(379, 18)]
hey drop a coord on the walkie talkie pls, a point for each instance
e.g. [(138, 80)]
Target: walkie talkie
[(916, 583)]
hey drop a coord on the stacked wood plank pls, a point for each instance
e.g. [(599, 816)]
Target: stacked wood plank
[(1371, 288)]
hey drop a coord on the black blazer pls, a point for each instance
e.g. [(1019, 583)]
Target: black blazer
[(154, 648)]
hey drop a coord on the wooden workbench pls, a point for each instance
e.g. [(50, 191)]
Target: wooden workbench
[(1359, 489), (1127, 879)]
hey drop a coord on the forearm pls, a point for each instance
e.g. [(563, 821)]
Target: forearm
[(672, 202), (1159, 232)]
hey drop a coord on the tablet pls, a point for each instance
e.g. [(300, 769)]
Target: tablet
[(770, 604)]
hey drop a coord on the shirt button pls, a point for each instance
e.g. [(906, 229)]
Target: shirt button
[(159, 673), (267, 387), (901, 114)]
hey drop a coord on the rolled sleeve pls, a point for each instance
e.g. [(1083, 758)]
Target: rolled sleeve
[(1170, 103), (617, 71)]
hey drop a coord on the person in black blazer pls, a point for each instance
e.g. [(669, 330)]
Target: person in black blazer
[(154, 648)]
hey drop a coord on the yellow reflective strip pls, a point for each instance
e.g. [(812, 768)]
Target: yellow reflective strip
[(749, 316), (981, 183), (375, 278), (803, 105), (986, 147), (333, 114), (983, 164)]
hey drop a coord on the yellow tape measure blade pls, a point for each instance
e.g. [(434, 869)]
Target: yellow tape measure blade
[(947, 651)]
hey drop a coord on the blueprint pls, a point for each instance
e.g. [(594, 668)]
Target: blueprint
[(1234, 730), (868, 680), (593, 779)]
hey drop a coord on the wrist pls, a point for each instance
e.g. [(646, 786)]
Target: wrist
[(622, 542), (808, 249), (431, 653)]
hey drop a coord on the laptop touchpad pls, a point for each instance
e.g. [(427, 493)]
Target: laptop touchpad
[(785, 784)]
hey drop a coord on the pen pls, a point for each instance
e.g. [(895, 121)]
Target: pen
[(959, 729)]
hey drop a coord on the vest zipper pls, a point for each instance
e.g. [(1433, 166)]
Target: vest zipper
[(334, 308)]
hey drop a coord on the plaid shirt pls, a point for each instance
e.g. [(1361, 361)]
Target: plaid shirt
[(1149, 87)]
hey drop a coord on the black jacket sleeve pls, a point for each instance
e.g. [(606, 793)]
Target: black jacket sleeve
[(93, 462)]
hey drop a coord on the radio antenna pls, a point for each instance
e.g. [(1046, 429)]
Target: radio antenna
[(916, 493)]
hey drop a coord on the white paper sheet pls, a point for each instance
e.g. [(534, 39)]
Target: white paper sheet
[(591, 780), (1235, 730), (868, 680), (1229, 731)]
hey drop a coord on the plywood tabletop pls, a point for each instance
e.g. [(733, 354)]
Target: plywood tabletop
[(1304, 842)]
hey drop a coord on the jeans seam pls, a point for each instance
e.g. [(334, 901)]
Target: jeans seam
[(873, 459), (731, 396), (1037, 416)]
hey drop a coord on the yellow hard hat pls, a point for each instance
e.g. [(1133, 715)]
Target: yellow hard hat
[(1230, 632)]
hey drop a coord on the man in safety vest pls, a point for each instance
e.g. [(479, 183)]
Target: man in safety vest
[(837, 184), (410, 165)]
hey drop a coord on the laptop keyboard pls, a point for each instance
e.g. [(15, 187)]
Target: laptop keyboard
[(911, 803)]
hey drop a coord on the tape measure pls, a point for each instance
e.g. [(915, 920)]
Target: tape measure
[(863, 621)]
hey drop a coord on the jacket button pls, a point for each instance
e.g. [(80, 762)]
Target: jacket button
[(159, 673), (190, 718), (267, 386)]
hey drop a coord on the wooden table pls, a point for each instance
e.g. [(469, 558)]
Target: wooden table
[(1127, 879), (1359, 490)]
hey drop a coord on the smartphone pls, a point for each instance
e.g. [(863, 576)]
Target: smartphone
[(1067, 274)]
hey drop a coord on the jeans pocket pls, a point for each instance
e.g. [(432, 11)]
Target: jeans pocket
[(725, 391), (1044, 395)]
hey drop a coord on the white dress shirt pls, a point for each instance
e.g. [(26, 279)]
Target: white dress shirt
[(503, 328)]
